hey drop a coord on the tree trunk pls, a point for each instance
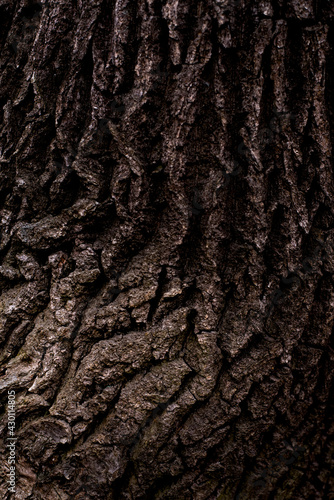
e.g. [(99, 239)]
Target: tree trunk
[(167, 249)]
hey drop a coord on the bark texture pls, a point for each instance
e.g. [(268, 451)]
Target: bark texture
[(167, 248)]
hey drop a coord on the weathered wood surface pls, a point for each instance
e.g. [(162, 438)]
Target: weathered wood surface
[(167, 246)]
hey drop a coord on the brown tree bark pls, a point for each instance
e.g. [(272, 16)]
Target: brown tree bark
[(167, 249)]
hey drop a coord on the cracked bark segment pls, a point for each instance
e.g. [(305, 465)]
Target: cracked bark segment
[(166, 248)]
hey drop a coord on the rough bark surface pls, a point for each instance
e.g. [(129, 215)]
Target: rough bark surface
[(167, 248)]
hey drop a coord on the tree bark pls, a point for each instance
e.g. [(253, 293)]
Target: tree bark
[(167, 248)]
